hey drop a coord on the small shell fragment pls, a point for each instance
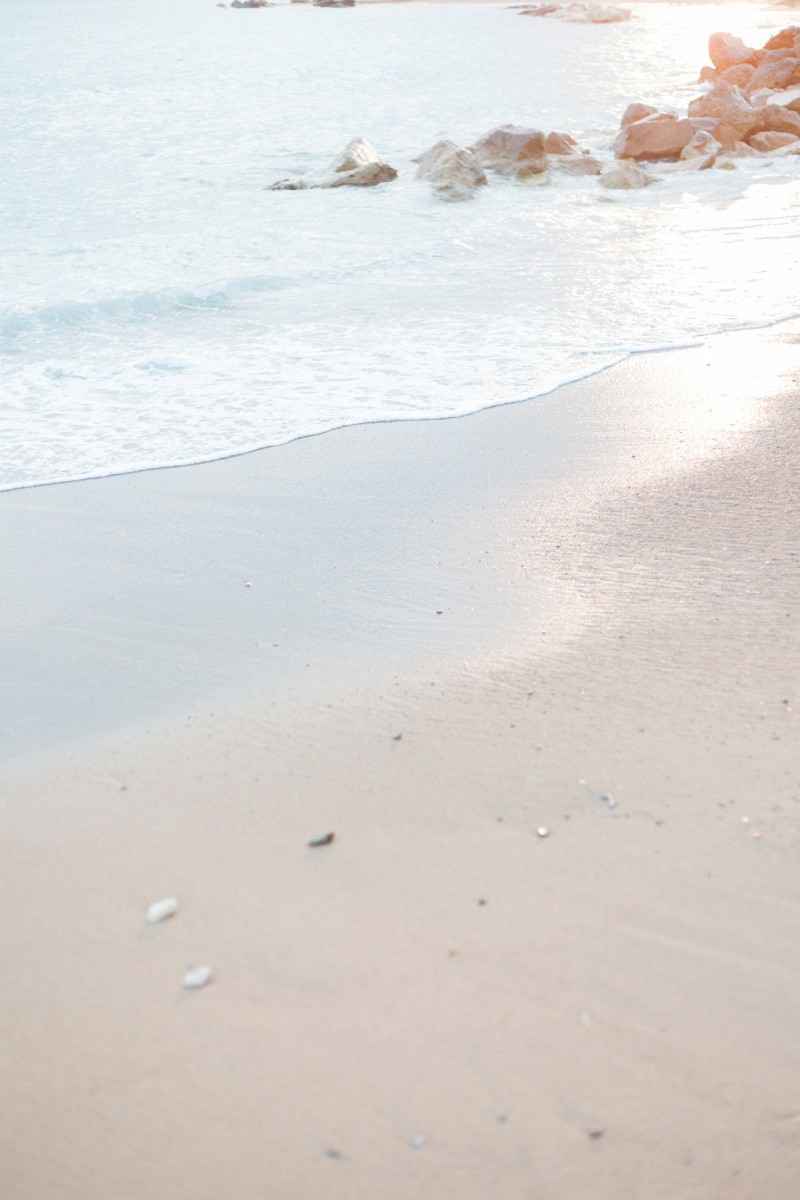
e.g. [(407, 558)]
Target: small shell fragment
[(418, 1140), (196, 977), (161, 910), (542, 832), (324, 839), (609, 800)]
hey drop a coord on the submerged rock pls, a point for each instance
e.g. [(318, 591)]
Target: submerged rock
[(512, 150), (626, 175), (358, 165), (596, 14), (453, 171)]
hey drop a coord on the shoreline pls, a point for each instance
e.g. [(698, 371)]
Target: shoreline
[(581, 616), (151, 615)]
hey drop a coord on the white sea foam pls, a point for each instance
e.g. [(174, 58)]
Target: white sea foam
[(158, 306)]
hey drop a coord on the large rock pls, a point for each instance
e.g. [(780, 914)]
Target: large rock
[(771, 140), (785, 40), (775, 119), (453, 170), (725, 51), (775, 74), (636, 112), (358, 165), (659, 136), (626, 175), (512, 150), (741, 74), (726, 104)]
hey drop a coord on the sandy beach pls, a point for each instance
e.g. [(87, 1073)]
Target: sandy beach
[(537, 669)]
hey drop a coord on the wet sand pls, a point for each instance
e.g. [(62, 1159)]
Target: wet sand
[(553, 949)]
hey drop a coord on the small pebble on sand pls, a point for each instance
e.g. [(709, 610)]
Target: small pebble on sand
[(324, 839), (542, 832), (596, 1131), (396, 737), (418, 1140), (162, 910), (196, 977)]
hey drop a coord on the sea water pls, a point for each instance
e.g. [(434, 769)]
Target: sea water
[(159, 306)]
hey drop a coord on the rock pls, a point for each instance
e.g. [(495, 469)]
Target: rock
[(702, 145), (742, 150), (703, 124), (707, 74), (576, 164), (636, 112), (196, 977), (740, 74), (358, 165), (597, 14), (322, 839), (453, 170), (334, 3), (568, 157), (659, 136), (785, 40), (771, 140), (560, 143), (775, 74), (357, 153), (725, 102), (606, 14), (725, 51), (626, 175), (161, 910), (775, 119), (512, 150)]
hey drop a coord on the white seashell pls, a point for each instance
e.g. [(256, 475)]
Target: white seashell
[(196, 977), (543, 832), (162, 909)]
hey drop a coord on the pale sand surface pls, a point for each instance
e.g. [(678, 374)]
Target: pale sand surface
[(635, 972)]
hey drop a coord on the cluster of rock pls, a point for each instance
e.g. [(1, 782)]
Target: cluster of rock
[(759, 114), (454, 171), (589, 12), (751, 107)]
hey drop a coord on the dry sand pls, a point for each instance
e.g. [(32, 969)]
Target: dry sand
[(442, 1002)]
